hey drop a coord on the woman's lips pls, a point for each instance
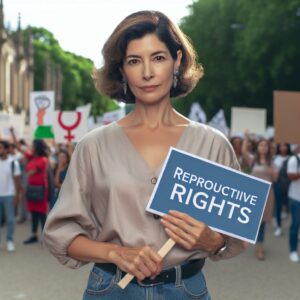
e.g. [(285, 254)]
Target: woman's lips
[(149, 88)]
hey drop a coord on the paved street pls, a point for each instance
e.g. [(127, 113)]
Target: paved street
[(31, 273)]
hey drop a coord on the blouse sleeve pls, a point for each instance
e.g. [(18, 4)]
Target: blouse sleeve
[(72, 214), (233, 246)]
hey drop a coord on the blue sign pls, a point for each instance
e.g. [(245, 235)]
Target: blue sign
[(226, 200)]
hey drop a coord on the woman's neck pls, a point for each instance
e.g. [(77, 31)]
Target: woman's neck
[(154, 116)]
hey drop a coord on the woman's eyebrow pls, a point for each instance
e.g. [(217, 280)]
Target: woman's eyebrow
[(152, 54)]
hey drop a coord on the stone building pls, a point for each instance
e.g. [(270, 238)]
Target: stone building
[(16, 69)]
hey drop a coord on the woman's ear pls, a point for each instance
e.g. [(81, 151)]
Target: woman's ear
[(122, 73), (178, 59)]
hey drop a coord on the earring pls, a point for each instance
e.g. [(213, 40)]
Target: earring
[(175, 78), (124, 83)]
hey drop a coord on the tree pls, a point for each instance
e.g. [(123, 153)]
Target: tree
[(246, 49), (77, 83)]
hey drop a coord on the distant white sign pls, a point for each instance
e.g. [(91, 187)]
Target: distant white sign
[(41, 108), (243, 118), (69, 126), (7, 121), (197, 113), (219, 122), (114, 115)]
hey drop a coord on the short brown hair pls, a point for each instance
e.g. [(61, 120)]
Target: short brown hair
[(108, 79)]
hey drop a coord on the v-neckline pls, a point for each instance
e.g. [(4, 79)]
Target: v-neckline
[(139, 156)]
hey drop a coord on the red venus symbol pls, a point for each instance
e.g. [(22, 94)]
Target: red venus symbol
[(69, 136)]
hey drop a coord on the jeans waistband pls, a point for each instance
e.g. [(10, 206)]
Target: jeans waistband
[(188, 269)]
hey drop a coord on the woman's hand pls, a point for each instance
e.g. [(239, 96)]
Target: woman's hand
[(140, 262), (190, 233)]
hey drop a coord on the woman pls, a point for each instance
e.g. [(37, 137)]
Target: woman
[(236, 143), (281, 185), (36, 173), (261, 167), (63, 160), (36, 170), (100, 215)]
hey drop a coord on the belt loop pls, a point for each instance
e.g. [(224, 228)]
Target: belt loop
[(118, 275), (178, 276)]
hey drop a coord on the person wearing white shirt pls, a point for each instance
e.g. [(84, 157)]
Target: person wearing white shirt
[(293, 170), (9, 191)]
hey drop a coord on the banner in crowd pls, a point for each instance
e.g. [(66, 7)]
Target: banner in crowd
[(197, 113), (219, 122), (69, 126), (227, 200), (113, 116), (286, 116), (42, 108), (7, 121), (253, 119)]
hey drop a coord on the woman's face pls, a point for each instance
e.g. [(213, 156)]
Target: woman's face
[(62, 158), (283, 149), (263, 147), (148, 68), (237, 145)]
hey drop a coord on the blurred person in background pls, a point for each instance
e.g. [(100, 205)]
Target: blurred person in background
[(262, 167), (63, 160), (280, 185), (21, 210), (10, 188), (293, 170), (236, 142), (36, 171)]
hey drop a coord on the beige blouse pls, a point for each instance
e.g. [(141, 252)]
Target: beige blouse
[(108, 186)]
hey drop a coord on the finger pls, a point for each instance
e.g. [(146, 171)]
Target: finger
[(155, 256), (183, 234), (134, 270), (185, 244), (149, 260), (144, 270), (190, 220), (176, 222)]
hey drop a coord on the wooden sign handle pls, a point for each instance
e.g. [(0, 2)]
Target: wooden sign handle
[(163, 251)]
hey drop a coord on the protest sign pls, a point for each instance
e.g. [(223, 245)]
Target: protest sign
[(41, 108), (219, 122), (11, 120), (227, 200), (69, 126), (114, 115), (197, 114), (253, 119), (286, 116)]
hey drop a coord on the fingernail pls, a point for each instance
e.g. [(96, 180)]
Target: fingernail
[(152, 277)]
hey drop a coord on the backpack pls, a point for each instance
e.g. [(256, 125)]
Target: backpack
[(13, 167), (283, 179)]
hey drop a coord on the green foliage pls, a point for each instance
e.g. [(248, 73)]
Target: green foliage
[(247, 48), (77, 83)]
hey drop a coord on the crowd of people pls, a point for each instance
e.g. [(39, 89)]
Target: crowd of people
[(280, 165), (31, 177), (43, 164)]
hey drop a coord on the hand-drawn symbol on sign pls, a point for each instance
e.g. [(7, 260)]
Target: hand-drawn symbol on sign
[(69, 136), (42, 102)]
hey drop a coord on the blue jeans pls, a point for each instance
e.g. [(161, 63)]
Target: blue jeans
[(278, 202), (7, 203), (295, 224), (103, 285), (261, 232)]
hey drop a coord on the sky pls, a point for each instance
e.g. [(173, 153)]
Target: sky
[(82, 26)]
